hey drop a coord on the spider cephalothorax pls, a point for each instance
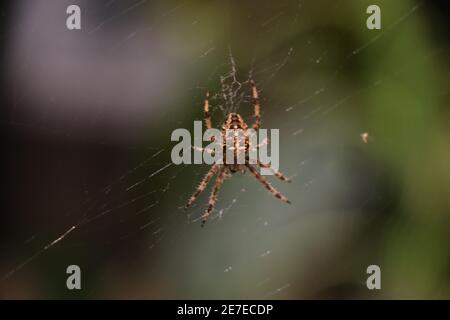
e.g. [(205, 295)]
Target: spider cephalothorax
[(232, 124), (234, 121)]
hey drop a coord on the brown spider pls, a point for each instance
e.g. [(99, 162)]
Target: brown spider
[(234, 121)]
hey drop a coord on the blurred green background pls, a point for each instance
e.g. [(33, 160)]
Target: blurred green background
[(88, 116)]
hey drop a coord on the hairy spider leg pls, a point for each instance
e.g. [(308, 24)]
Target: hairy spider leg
[(202, 185), (277, 174), (213, 196), (206, 112), (255, 96), (266, 184)]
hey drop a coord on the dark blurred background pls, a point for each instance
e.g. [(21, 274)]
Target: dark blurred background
[(87, 116)]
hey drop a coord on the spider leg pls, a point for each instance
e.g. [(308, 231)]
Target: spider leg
[(277, 174), (259, 145), (263, 143), (213, 197), (207, 115), (200, 149), (266, 184), (202, 185), (257, 123)]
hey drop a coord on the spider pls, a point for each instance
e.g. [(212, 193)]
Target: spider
[(223, 171)]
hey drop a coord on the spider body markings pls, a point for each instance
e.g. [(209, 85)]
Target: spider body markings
[(223, 171)]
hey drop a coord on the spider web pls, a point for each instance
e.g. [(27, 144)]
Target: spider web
[(140, 208)]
